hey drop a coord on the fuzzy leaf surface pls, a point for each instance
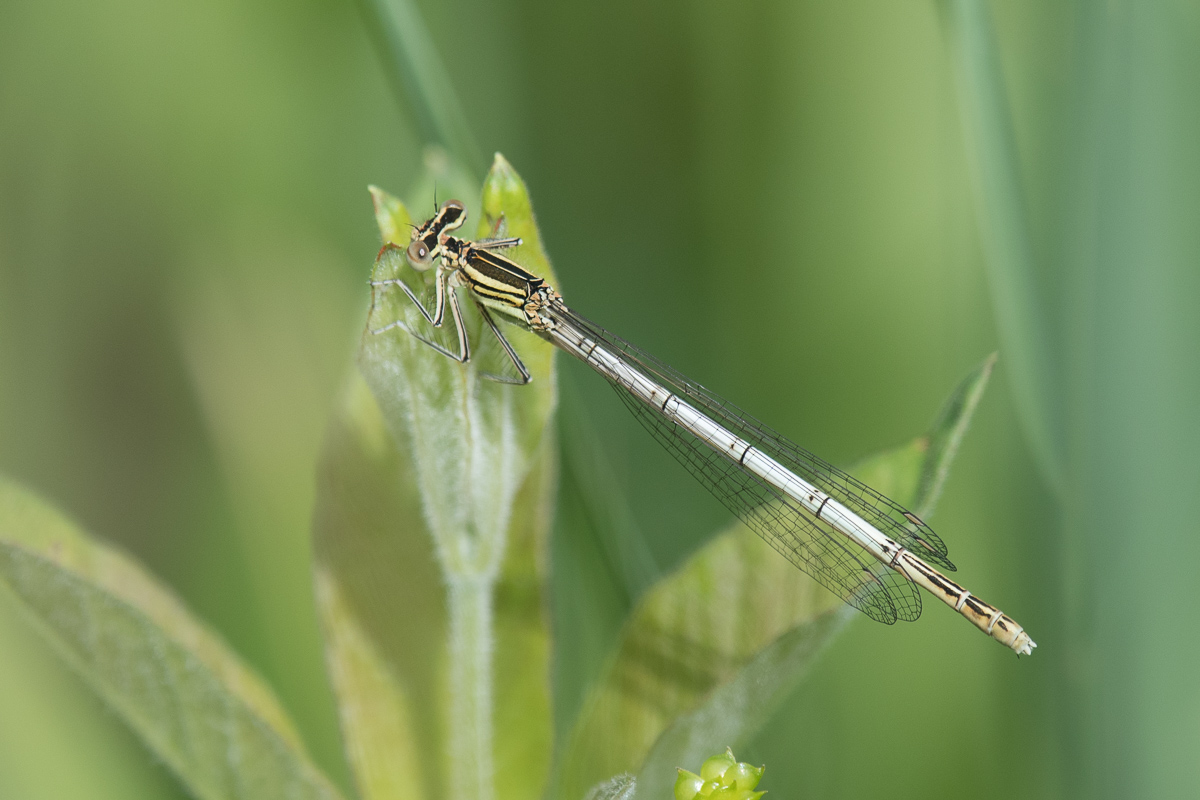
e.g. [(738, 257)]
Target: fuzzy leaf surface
[(432, 474)]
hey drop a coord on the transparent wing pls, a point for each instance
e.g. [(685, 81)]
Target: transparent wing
[(885, 514), (834, 561), (830, 558)]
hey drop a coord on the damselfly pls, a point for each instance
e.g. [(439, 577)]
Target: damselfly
[(850, 538)]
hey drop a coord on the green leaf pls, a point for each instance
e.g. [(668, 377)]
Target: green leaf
[(699, 629), (178, 686), (434, 501), (712, 650), (946, 436), (736, 708)]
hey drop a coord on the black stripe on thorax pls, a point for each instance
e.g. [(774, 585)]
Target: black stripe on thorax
[(514, 299), (500, 269)]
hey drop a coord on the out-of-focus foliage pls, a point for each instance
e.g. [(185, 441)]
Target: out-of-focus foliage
[(1092, 263), (432, 463), (772, 196), (190, 699)]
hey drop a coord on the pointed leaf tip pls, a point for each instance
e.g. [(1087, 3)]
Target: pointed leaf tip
[(390, 215), (504, 187), (946, 434), (508, 211), (499, 162)]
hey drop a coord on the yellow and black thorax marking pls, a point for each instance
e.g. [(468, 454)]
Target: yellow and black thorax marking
[(497, 281)]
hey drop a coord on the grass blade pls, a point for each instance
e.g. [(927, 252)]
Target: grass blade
[(420, 78), (1027, 337)]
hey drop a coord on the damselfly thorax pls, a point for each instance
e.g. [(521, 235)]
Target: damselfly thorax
[(499, 282)]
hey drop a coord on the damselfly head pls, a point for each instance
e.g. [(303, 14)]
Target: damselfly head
[(426, 239)]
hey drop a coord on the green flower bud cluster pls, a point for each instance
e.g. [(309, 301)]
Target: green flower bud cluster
[(721, 777)]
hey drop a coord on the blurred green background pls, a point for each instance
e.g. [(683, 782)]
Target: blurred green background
[(775, 197)]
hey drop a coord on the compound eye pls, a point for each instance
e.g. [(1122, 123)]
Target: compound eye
[(419, 255)]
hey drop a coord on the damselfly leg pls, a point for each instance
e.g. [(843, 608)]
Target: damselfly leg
[(393, 253), (431, 293), (509, 351)]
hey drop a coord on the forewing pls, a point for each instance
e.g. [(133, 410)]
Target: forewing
[(833, 560), (885, 514), (882, 512)]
